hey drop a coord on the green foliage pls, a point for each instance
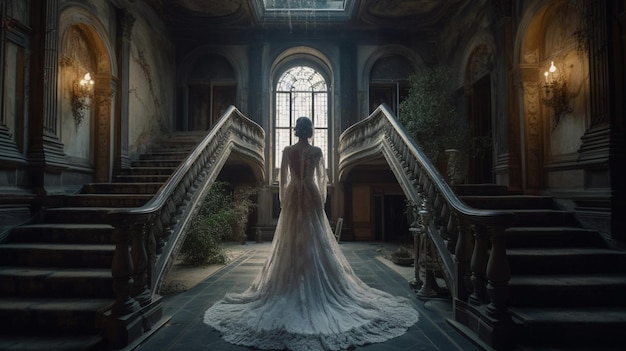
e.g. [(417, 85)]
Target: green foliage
[(242, 206), (429, 115), (223, 216)]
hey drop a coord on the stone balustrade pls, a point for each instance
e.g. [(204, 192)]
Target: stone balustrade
[(147, 238), (469, 242)]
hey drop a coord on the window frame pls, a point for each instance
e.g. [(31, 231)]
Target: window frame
[(293, 113)]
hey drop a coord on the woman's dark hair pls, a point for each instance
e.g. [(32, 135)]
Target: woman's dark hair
[(304, 127)]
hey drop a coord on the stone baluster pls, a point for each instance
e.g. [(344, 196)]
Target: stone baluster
[(480, 257), (121, 271), (452, 229), (427, 274), (417, 231), (498, 275)]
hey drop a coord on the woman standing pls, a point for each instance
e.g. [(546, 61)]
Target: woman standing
[(307, 297)]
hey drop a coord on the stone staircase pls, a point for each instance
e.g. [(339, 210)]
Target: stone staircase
[(567, 285), (55, 274)]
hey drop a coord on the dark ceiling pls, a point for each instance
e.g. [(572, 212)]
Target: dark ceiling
[(406, 15)]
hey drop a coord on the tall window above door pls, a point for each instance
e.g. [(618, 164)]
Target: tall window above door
[(389, 82), (212, 87), (300, 91)]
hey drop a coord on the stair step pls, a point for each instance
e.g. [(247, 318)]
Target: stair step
[(580, 327), (122, 188), (45, 316), (543, 218), (517, 237), (141, 178), (78, 215), (568, 290), (108, 200), (56, 282), (63, 233), (156, 163), (509, 202), (148, 171), (67, 342), (56, 255), (577, 260), (179, 155)]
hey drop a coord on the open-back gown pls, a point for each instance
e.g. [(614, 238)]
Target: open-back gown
[(307, 297)]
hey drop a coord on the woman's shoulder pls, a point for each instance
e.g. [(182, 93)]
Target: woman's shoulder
[(316, 150)]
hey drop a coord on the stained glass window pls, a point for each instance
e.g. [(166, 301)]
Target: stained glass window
[(301, 91)]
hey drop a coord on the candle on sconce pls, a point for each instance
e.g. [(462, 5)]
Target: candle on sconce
[(546, 75)]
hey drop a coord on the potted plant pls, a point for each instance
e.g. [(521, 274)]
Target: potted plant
[(402, 257)]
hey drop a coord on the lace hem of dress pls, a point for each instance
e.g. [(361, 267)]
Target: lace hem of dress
[(375, 331)]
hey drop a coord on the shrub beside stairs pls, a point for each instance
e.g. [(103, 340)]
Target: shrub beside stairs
[(55, 273), (568, 286)]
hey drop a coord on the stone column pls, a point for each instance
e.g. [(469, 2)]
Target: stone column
[(602, 150), (125, 25), (508, 161), (255, 81), (45, 150)]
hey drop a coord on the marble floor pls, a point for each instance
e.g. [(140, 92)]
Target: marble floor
[(185, 329)]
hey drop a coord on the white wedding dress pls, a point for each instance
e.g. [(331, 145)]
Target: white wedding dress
[(307, 297)]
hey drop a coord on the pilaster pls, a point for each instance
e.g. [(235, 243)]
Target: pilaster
[(601, 153), (125, 24), (45, 150)]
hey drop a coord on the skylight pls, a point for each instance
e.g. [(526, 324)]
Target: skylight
[(297, 12), (305, 5)]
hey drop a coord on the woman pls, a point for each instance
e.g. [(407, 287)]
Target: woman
[(307, 297)]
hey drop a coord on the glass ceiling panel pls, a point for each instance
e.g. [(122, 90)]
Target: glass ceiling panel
[(307, 5)]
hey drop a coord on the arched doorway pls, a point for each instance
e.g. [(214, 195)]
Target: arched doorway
[(87, 90), (551, 135)]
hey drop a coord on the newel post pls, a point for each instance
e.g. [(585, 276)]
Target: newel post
[(498, 275), (426, 257), (479, 266), (122, 271), (140, 289), (463, 254)]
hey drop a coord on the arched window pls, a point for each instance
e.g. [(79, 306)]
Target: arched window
[(300, 91)]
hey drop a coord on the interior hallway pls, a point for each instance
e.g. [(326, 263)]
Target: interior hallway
[(186, 330)]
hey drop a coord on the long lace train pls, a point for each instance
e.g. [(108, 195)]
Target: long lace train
[(307, 296)]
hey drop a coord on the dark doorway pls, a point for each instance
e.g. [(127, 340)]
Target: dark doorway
[(391, 94), (207, 103), (390, 223), (480, 168)]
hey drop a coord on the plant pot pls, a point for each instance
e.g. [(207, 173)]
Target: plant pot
[(402, 261)]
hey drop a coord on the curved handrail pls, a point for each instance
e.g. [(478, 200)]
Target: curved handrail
[(148, 237), (455, 226)]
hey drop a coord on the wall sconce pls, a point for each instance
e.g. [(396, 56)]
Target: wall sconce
[(555, 93), (82, 95)]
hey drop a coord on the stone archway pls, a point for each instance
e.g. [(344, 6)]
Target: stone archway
[(549, 139), (86, 134)]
